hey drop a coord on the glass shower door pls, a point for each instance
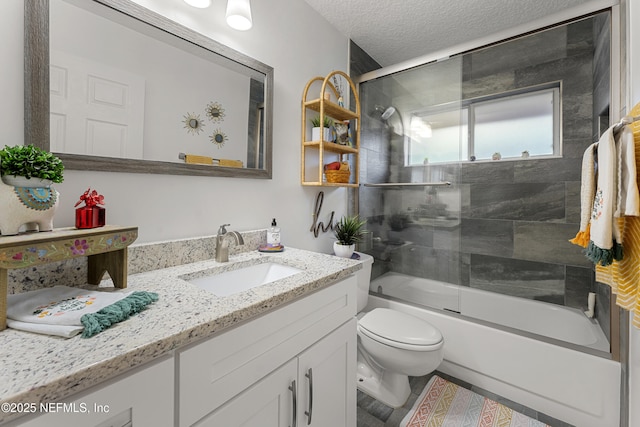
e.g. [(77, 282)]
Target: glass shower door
[(413, 138)]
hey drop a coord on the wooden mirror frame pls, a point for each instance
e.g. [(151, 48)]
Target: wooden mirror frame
[(36, 95)]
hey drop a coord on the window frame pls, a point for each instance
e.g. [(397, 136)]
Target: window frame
[(555, 88)]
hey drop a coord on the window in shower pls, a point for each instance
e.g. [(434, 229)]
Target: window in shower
[(519, 124), (438, 137)]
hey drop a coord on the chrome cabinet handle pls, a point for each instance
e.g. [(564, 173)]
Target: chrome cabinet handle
[(308, 413), (294, 393)]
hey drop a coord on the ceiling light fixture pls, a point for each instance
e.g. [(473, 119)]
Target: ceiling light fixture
[(200, 4), (239, 14)]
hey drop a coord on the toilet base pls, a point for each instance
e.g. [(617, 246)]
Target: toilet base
[(390, 388)]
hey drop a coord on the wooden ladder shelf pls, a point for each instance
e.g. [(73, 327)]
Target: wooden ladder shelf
[(316, 152)]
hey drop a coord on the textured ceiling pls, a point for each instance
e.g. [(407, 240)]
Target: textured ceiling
[(392, 31)]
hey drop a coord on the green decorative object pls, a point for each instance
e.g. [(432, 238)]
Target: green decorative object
[(349, 230), (315, 122), (30, 162)]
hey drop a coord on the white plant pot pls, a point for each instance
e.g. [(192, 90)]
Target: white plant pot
[(21, 181), (344, 251), (315, 134)]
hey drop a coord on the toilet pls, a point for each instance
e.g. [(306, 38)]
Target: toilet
[(392, 346)]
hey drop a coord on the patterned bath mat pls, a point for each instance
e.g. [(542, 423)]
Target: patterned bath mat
[(445, 404)]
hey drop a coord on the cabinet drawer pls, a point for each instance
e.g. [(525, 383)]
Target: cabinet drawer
[(216, 369)]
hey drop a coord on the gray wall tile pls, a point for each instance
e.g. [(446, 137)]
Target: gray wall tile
[(524, 201), (547, 242), (492, 237)]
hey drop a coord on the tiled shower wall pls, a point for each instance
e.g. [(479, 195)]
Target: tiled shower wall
[(509, 221)]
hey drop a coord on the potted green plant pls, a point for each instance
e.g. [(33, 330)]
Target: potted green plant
[(348, 231), (29, 166), (326, 125)]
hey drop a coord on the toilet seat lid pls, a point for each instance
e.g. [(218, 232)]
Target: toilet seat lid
[(399, 327)]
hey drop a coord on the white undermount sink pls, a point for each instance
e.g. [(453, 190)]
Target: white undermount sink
[(245, 278)]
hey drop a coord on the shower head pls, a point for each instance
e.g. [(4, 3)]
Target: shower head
[(385, 113), (388, 113)]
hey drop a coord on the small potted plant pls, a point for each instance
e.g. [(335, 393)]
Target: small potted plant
[(348, 231), (327, 125), (29, 166)]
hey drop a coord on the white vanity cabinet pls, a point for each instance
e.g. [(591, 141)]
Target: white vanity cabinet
[(316, 389), (298, 361), (142, 397)]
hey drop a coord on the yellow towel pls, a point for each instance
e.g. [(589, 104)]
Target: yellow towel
[(204, 160), (230, 163), (624, 276)]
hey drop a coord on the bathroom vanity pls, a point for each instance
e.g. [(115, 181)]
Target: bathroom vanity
[(269, 355)]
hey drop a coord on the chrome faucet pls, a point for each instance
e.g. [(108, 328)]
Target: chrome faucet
[(222, 243)]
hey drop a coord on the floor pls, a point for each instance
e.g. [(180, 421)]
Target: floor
[(372, 413)]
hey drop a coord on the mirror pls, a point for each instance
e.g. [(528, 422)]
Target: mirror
[(161, 99)]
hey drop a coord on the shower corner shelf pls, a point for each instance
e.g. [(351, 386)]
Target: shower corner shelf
[(309, 176)]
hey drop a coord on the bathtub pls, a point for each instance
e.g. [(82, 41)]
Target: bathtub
[(546, 320), (543, 373)]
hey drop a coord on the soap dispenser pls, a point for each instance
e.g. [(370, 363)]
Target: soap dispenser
[(273, 235)]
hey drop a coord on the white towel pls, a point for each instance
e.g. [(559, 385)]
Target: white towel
[(56, 310), (628, 203), (604, 200), (616, 195), (57, 330)]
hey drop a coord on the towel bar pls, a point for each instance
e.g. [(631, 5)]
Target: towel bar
[(409, 184)]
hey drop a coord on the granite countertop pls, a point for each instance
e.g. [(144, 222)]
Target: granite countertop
[(39, 369)]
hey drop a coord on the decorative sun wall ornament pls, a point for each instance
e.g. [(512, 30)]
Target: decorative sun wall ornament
[(218, 138), (215, 112), (192, 123)]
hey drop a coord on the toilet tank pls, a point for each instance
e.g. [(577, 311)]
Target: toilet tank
[(364, 278)]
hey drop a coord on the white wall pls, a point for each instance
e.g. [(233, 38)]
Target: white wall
[(287, 35)]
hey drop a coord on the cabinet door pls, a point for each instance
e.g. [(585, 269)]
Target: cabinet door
[(143, 397), (268, 403), (327, 377)]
